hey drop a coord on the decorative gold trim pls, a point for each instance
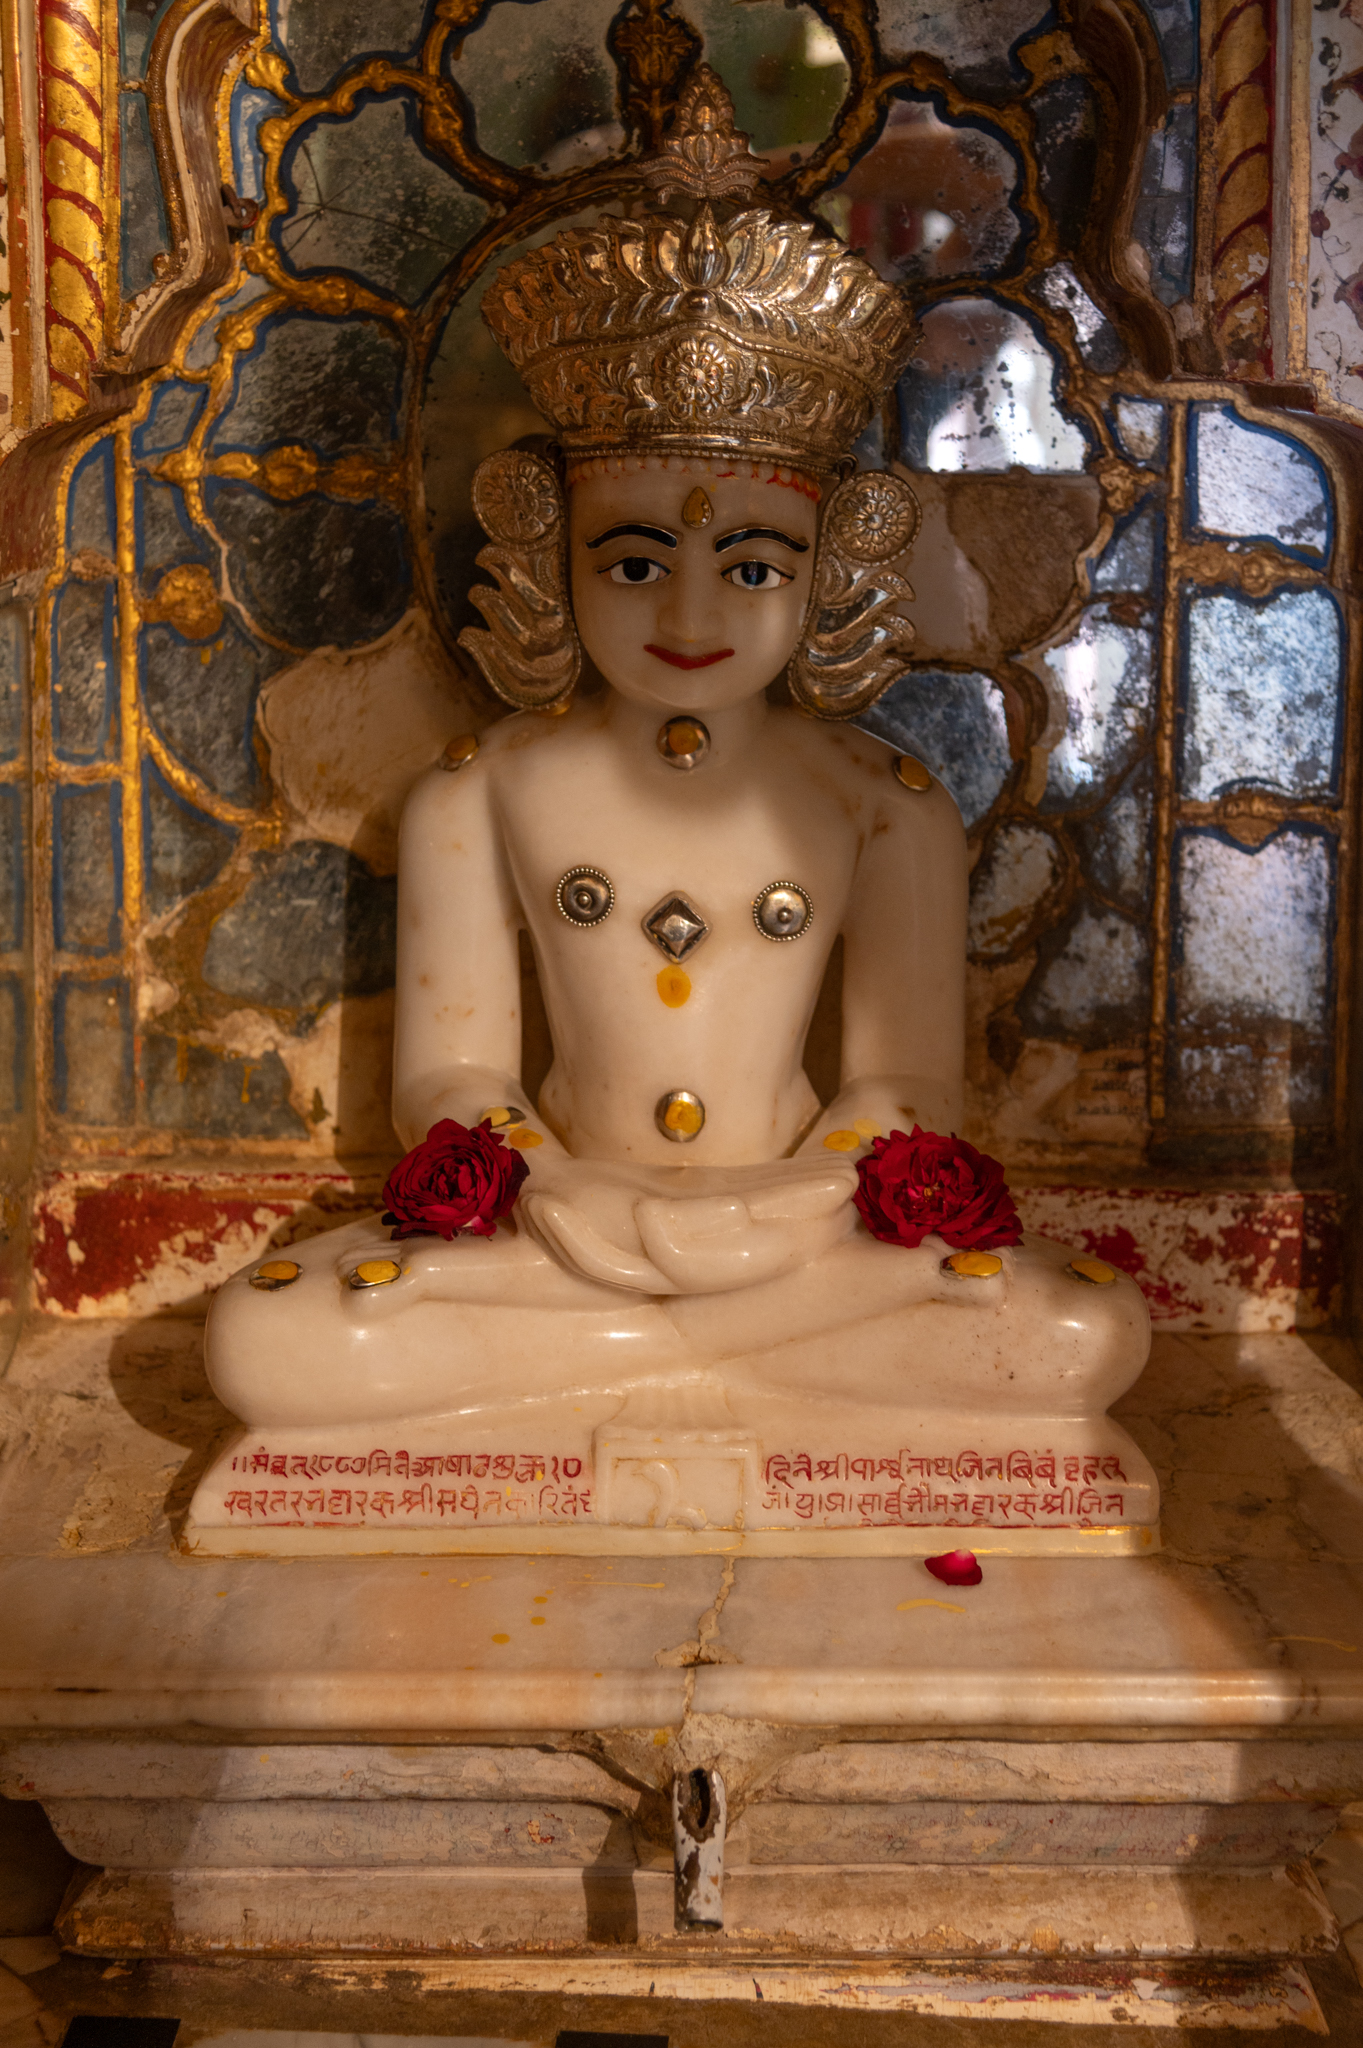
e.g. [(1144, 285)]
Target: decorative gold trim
[(1240, 93), (71, 64)]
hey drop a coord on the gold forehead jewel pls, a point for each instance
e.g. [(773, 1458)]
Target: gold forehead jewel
[(698, 511)]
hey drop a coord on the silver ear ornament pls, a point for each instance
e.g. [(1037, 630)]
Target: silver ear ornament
[(530, 653), (855, 645)]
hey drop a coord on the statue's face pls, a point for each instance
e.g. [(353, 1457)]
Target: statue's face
[(686, 615)]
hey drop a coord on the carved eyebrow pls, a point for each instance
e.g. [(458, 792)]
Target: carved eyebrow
[(657, 533), (731, 540)]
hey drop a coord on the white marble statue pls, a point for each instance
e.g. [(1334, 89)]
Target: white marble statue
[(684, 1335)]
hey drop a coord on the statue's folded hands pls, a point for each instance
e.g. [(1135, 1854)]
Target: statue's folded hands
[(712, 1229)]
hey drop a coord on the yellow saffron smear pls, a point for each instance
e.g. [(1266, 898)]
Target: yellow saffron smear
[(683, 1116), (523, 1138), (866, 1129), (674, 987), (841, 1141)]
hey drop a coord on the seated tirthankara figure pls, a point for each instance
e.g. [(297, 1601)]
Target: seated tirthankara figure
[(684, 1327)]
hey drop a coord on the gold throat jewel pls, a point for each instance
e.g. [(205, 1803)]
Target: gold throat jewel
[(698, 511)]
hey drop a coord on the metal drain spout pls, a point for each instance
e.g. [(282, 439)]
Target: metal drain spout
[(699, 1817)]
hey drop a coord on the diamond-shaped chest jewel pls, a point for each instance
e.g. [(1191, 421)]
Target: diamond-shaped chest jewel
[(676, 927)]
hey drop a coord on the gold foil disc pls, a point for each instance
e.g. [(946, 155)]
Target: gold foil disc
[(376, 1273), (912, 773), (1094, 1271), (680, 1115), (974, 1265), (274, 1274)]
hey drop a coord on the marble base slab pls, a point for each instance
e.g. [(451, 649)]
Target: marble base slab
[(1150, 1748), (929, 1910)]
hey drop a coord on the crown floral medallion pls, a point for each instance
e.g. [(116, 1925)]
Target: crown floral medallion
[(757, 332)]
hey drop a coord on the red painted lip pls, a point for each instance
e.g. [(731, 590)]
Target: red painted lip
[(689, 660)]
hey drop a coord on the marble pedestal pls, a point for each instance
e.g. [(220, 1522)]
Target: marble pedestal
[(1093, 1773)]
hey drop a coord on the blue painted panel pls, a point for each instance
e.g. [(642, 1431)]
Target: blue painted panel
[(13, 678), (92, 1051), (85, 672), (87, 868), (12, 849)]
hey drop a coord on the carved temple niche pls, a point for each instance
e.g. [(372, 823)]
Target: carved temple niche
[(247, 386)]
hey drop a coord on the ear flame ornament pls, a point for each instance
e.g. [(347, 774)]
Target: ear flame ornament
[(855, 643), (530, 654)]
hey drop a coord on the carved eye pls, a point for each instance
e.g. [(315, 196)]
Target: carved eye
[(756, 576), (636, 569)]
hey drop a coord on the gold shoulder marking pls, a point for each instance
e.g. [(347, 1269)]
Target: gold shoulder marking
[(459, 752), (912, 773)]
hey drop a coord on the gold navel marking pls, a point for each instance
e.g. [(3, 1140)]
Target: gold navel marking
[(1094, 1271), (912, 773), (698, 511), (674, 986), (680, 1115), (973, 1265)]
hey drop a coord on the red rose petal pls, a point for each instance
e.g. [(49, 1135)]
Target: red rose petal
[(457, 1180), (919, 1184), (955, 1568)]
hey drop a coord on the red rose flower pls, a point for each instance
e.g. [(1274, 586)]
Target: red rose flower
[(955, 1568), (909, 1188), (455, 1180)]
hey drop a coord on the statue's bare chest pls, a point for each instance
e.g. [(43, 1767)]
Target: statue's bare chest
[(763, 860)]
